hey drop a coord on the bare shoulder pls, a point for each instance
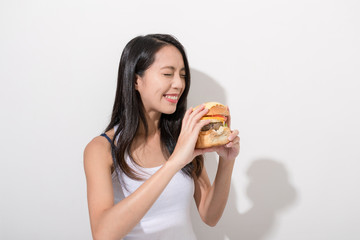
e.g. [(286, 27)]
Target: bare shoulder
[(98, 153)]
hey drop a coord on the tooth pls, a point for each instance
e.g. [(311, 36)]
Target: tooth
[(172, 97)]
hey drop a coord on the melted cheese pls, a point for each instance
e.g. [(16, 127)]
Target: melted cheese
[(219, 119)]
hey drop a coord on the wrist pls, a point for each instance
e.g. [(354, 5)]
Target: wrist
[(172, 165), (231, 160), (226, 162)]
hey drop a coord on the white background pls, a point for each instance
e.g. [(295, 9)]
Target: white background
[(289, 70)]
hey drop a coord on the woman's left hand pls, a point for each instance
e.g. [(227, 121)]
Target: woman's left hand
[(230, 150)]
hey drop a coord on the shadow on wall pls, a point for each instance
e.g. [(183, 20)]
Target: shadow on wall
[(269, 189), (204, 89)]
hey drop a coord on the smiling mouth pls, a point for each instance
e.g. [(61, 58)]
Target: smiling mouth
[(172, 98)]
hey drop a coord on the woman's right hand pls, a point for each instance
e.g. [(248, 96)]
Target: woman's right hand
[(185, 151)]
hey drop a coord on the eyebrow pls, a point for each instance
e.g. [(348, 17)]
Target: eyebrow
[(172, 68)]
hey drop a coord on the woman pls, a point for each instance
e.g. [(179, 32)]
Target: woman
[(144, 170)]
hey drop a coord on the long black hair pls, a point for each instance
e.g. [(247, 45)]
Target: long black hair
[(128, 110)]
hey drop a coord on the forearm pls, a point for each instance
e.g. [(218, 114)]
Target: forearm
[(217, 196), (120, 219)]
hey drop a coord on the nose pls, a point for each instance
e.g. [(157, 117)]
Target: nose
[(178, 82)]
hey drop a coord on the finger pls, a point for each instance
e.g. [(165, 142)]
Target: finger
[(201, 124), (195, 117), (233, 135), (187, 114), (235, 141), (228, 121), (198, 108), (229, 145), (232, 144)]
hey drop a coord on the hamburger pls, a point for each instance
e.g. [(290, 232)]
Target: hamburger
[(215, 133)]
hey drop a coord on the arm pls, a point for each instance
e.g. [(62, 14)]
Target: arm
[(109, 221), (211, 199)]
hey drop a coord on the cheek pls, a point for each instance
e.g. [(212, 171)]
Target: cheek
[(183, 86)]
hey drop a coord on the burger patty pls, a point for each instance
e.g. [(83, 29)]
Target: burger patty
[(215, 126)]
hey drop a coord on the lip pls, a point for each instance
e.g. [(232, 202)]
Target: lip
[(170, 99)]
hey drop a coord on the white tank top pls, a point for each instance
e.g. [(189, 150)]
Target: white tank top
[(169, 217)]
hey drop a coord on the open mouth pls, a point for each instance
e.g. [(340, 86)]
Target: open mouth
[(172, 98)]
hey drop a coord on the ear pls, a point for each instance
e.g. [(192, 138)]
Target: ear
[(137, 78)]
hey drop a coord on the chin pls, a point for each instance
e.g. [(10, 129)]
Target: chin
[(168, 108), (169, 111)]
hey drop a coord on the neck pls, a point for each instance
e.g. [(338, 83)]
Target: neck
[(152, 120)]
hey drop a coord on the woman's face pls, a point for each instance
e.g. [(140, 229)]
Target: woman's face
[(163, 82)]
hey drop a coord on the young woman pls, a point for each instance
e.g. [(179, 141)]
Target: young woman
[(143, 171)]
